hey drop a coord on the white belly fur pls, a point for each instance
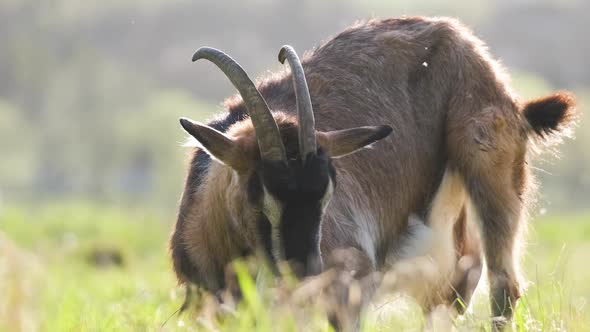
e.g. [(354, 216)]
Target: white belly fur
[(425, 263)]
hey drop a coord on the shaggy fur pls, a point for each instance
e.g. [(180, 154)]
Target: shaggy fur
[(455, 112)]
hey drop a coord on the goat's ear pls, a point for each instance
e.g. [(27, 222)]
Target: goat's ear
[(339, 143), (551, 114), (218, 145)]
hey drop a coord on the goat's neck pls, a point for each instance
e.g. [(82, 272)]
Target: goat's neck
[(214, 241)]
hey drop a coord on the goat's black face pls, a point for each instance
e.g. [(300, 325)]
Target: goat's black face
[(293, 197), (287, 197)]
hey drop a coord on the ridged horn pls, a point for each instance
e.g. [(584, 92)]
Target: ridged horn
[(307, 139), (267, 132)]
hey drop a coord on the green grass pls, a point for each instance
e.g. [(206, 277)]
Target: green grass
[(48, 281)]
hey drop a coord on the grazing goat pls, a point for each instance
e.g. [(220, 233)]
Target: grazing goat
[(285, 173)]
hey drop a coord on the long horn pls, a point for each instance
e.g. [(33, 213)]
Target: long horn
[(267, 132), (307, 140)]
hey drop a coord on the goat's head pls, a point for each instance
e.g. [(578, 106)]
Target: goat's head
[(281, 167)]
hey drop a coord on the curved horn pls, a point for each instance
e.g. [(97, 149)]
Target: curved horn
[(267, 132), (307, 139)]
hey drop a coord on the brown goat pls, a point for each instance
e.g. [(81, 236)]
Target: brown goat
[(283, 190)]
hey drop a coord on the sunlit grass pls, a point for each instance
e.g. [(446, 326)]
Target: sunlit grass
[(49, 280)]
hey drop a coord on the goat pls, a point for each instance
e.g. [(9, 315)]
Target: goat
[(278, 182)]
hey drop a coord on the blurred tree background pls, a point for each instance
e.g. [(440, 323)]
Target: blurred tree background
[(90, 92)]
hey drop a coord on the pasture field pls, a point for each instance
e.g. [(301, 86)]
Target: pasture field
[(82, 267)]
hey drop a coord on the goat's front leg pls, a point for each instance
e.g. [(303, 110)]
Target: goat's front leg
[(354, 283)]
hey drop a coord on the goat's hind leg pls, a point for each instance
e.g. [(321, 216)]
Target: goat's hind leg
[(500, 213), (469, 264), (494, 178)]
